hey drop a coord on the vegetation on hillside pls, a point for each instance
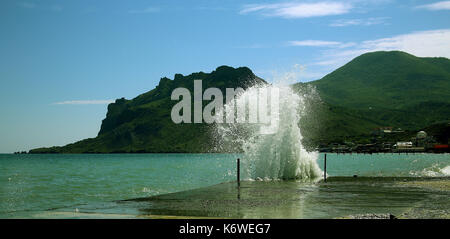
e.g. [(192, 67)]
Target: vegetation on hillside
[(374, 90)]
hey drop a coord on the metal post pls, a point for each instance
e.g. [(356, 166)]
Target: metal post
[(325, 169), (238, 173)]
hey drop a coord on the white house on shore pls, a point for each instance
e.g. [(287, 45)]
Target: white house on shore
[(403, 145)]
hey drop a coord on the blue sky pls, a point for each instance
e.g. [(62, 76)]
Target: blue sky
[(61, 62)]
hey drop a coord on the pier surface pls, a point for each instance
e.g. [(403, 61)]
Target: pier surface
[(339, 197)]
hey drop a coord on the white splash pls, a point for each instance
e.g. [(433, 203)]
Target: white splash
[(435, 170), (274, 150)]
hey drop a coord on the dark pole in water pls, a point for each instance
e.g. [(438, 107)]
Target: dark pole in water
[(238, 173), (325, 168)]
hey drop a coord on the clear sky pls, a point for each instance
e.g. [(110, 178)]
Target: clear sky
[(61, 62)]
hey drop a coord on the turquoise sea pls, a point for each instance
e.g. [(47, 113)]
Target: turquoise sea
[(30, 184)]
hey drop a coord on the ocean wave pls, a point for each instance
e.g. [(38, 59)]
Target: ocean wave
[(433, 171)]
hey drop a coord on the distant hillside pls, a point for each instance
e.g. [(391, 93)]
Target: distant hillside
[(391, 88), (373, 90), (387, 80), (143, 124)]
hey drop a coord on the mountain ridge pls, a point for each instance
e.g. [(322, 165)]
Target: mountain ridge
[(143, 124), (373, 90), (388, 79)]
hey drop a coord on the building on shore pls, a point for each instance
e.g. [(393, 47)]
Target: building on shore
[(403, 145), (420, 142), (441, 148)]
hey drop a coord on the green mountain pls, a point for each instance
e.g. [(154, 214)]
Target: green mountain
[(387, 80), (143, 124), (391, 88), (373, 90), (381, 89)]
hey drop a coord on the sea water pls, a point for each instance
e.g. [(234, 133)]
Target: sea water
[(36, 183), (40, 182)]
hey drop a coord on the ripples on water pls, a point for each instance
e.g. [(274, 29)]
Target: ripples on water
[(31, 183)]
